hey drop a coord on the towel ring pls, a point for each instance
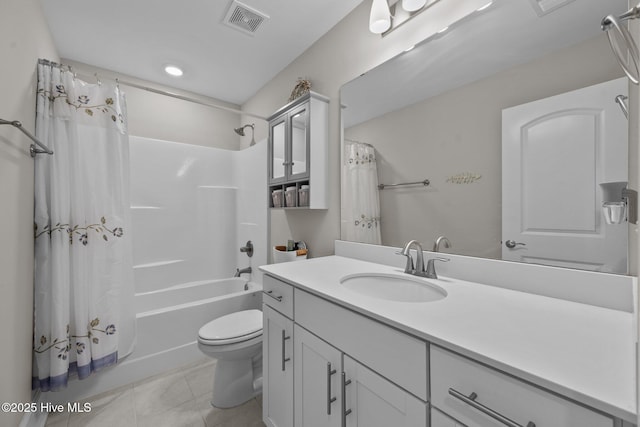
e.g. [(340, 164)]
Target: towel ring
[(627, 56)]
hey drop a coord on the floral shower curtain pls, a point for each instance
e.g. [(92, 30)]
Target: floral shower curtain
[(83, 314), (360, 201)]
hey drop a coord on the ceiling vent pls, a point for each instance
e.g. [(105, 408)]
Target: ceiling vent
[(244, 18), (544, 7)]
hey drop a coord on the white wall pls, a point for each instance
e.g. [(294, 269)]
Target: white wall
[(24, 37), (345, 52), (152, 115), (461, 131)]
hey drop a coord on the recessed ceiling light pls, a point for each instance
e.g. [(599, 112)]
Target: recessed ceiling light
[(410, 48), (443, 30), (172, 70)]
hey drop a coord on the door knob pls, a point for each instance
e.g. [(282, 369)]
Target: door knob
[(512, 244)]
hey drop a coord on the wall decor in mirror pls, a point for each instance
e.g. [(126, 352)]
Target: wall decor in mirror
[(512, 117)]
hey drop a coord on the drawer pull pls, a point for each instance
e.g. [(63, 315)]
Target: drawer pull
[(274, 296), (284, 358), (330, 399), (471, 401), (345, 383)]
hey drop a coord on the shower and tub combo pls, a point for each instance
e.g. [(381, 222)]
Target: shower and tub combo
[(192, 207)]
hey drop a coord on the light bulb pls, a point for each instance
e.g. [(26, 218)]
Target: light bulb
[(413, 5), (172, 70), (380, 18)]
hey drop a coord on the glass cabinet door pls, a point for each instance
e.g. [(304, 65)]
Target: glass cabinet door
[(299, 128), (278, 154)]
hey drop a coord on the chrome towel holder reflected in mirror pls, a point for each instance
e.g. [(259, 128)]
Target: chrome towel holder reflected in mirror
[(622, 43)]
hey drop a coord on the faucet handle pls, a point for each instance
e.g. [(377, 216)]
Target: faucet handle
[(430, 273), (409, 268)]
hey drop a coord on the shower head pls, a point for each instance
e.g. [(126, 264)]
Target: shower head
[(240, 131)]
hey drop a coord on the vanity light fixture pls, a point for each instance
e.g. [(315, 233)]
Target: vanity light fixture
[(480, 9), (173, 70), (413, 5), (380, 17)]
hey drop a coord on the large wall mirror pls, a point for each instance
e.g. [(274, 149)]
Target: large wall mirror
[(511, 116)]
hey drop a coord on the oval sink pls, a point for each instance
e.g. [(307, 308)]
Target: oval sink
[(393, 287)]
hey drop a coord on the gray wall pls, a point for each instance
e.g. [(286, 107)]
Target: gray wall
[(461, 131), (345, 52), (24, 37)]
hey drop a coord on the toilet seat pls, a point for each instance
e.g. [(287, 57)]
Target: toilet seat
[(233, 328)]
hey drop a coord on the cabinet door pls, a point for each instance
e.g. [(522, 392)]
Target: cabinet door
[(438, 419), (298, 161), (278, 150), (317, 381), (372, 401), (277, 353)]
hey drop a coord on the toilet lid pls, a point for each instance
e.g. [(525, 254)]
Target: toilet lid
[(234, 327)]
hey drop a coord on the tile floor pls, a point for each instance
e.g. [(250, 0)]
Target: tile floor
[(179, 398)]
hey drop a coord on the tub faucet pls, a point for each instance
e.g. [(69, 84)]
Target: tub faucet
[(244, 270), (410, 268), (441, 239), (239, 272)]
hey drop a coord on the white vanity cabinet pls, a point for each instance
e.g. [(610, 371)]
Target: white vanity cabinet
[(372, 401), (480, 396), (334, 390), (318, 372), (277, 354), (298, 153), (354, 371)]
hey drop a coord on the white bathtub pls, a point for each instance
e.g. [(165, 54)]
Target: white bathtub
[(167, 329), (188, 293)]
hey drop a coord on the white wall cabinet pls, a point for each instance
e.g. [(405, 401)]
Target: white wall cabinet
[(298, 152)]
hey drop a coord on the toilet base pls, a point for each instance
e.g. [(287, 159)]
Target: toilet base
[(233, 382)]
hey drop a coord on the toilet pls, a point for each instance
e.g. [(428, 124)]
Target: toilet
[(235, 340)]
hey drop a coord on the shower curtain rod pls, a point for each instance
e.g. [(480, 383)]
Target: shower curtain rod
[(32, 148), (157, 91)]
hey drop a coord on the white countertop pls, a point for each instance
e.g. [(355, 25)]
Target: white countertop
[(583, 352)]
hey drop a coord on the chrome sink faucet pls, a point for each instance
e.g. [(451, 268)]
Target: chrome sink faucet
[(416, 269), (441, 240)]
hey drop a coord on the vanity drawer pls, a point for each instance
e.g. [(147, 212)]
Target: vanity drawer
[(278, 295), (399, 357), (518, 401)]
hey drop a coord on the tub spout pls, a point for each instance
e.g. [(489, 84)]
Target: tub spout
[(244, 270)]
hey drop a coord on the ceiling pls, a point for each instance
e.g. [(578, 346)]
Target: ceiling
[(506, 34), (140, 37)]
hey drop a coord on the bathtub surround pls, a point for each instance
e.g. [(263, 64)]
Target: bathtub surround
[(192, 208), (83, 279)]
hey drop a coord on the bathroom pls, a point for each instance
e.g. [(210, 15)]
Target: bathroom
[(26, 38)]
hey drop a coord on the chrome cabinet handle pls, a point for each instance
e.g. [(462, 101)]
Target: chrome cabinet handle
[(274, 296), (284, 358), (471, 401), (330, 399), (512, 244), (345, 383)]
